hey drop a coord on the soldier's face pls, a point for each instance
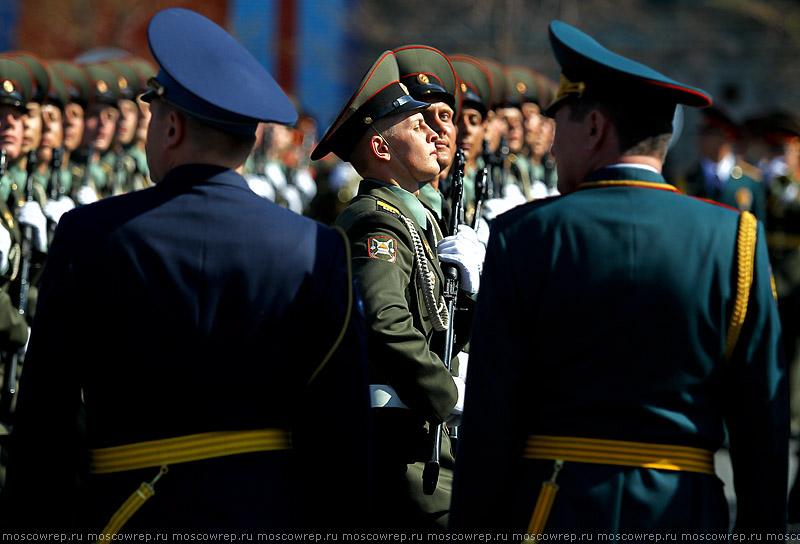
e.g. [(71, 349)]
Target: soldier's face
[(439, 116), (471, 132), (73, 126), (32, 132), (513, 129), (542, 145), (99, 126), (127, 122), (52, 132), (532, 124), (11, 130), (413, 145)]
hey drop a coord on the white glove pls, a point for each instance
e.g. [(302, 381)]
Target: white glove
[(86, 195), (304, 181), (54, 209), (463, 364), (5, 248), (495, 206), (293, 199), (468, 253), (513, 194), (30, 214), (261, 186), (458, 409)]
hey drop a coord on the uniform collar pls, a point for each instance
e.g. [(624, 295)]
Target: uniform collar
[(433, 196), (625, 172), (411, 202)]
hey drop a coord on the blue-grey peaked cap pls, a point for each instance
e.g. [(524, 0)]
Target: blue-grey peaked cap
[(211, 76)]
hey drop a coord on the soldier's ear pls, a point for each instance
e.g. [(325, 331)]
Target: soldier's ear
[(379, 147), (174, 128)]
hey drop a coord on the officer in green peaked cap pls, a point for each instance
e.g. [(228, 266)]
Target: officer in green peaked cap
[(430, 77), (650, 332), (379, 95), (396, 261)]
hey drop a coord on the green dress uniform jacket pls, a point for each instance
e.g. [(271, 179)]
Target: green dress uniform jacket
[(621, 295), (403, 348)]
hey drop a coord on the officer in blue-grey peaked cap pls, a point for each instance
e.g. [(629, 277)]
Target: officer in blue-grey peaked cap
[(650, 325), (202, 296), (205, 72)]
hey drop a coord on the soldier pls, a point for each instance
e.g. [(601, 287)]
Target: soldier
[(136, 150), (199, 293), (507, 190), (719, 174), (430, 77), (93, 177), (15, 89), (122, 163), (477, 102), (382, 133), (649, 319)]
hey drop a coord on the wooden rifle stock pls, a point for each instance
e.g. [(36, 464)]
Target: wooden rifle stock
[(430, 474)]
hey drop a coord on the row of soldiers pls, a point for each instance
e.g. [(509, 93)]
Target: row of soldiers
[(71, 133), (497, 111)]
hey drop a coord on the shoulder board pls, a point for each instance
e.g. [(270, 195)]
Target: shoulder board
[(77, 170), (107, 168), (386, 207)]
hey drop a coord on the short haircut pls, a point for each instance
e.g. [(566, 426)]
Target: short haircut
[(639, 130), (213, 141)]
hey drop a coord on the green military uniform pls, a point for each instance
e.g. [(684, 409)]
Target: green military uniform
[(397, 270), (16, 88), (382, 223)]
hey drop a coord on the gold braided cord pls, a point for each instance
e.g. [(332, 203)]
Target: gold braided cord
[(745, 257)]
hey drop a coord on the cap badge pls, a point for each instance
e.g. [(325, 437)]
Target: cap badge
[(566, 88), (463, 88), (367, 120), (8, 86), (423, 78), (521, 87), (123, 83), (102, 87)]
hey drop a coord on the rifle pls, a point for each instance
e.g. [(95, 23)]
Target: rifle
[(87, 173), (119, 171), (481, 194), (24, 274), (501, 160), (430, 474), (55, 190), (487, 164)]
